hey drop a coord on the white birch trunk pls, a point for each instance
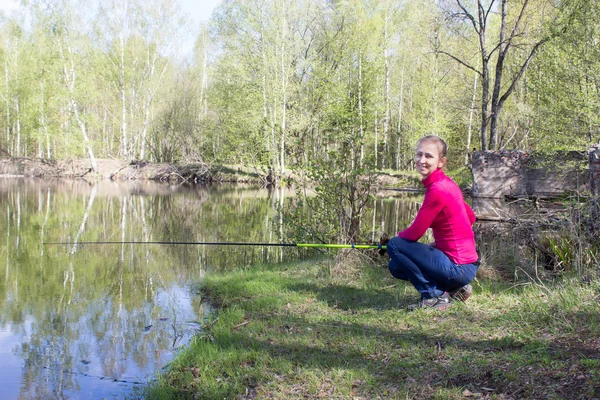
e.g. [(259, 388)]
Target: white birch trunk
[(400, 107), (264, 87), (18, 127), (70, 76), (273, 139), (265, 114), (7, 242), (44, 126), (83, 129), (283, 90), (145, 231), (281, 201), (386, 95), (471, 112), (18, 221), (123, 227), (45, 220), (124, 138), (204, 79), (144, 133), (151, 91), (85, 218), (376, 130), (360, 111), (17, 105), (7, 99), (107, 147)]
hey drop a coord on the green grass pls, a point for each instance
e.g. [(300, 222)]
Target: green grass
[(303, 330)]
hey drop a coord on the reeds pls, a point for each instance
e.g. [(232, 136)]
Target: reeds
[(565, 240)]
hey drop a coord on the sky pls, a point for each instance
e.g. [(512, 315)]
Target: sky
[(8, 5), (197, 10)]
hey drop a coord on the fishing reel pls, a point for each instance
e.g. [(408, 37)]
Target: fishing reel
[(383, 240)]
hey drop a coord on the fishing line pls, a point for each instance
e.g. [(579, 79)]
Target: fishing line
[(304, 245)]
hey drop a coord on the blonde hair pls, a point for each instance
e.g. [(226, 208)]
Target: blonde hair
[(441, 144)]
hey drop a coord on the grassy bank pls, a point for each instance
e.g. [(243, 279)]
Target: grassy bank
[(316, 330)]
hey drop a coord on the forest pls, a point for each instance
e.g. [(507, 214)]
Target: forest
[(335, 91), (285, 83)]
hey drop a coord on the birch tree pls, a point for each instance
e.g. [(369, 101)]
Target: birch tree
[(514, 34), (564, 82), (162, 27), (138, 39), (259, 37), (59, 25), (11, 38), (116, 20)]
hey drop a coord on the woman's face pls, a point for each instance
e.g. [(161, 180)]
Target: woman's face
[(427, 158)]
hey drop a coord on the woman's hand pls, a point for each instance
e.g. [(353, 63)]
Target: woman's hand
[(383, 240)]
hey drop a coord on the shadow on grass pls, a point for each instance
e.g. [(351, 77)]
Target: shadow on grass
[(416, 361), (509, 353), (349, 298)]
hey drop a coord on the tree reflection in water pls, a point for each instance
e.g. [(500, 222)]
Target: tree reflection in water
[(96, 320)]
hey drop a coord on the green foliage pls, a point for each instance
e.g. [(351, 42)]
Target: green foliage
[(563, 79), (297, 329), (279, 82), (564, 244), (577, 246), (462, 176), (336, 204)]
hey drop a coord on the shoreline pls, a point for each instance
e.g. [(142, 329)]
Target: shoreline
[(120, 170), (194, 173), (318, 329)]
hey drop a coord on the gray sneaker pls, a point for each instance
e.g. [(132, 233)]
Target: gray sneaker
[(436, 303), (462, 293)]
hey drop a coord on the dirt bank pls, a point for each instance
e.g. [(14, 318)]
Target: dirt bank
[(119, 170), (124, 170)]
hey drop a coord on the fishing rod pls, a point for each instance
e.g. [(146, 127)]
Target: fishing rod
[(305, 245)]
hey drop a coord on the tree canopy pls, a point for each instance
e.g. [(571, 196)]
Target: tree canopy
[(281, 83)]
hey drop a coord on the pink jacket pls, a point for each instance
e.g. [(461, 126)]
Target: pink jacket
[(444, 211)]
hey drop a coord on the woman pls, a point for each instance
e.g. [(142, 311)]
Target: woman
[(442, 270)]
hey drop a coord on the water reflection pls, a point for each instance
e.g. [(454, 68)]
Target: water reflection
[(94, 321)]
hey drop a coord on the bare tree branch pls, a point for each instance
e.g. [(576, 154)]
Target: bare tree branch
[(514, 32), (468, 15), (487, 12), (522, 70), (460, 62)]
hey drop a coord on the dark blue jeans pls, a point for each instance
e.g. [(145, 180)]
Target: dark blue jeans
[(429, 270)]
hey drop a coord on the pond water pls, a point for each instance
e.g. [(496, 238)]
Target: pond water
[(97, 321), (94, 321)]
